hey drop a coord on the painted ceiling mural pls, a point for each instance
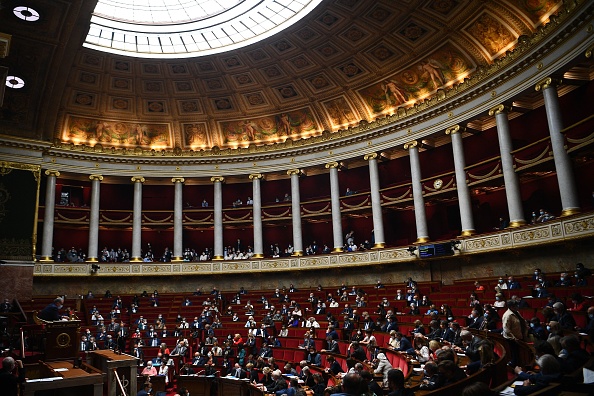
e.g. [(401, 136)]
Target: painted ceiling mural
[(351, 60)]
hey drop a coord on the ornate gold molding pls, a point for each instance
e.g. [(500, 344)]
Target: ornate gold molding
[(217, 179), (467, 233), (455, 129), (332, 165), (54, 173), (138, 179), (370, 156), (500, 108), (177, 180), (546, 83), (292, 172), (570, 212), (256, 176), (96, 177), (410, 145)]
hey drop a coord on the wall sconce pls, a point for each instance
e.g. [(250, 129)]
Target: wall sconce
[(412, 250)]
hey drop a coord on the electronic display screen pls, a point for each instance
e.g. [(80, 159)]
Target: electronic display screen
[(436, 250)]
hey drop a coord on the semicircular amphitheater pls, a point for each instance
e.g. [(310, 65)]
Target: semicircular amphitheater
[(178, 144)]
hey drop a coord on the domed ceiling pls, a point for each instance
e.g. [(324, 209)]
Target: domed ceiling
[(346, 61)]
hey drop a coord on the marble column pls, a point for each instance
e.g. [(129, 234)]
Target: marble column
[(335, 202), (257, 215), (137, 220), (48, 216), (376, 202), (510, 178), (178, 225), (417, 189), (218, 217), (296, 212), (563, 167), (93, 255), (464, 201)]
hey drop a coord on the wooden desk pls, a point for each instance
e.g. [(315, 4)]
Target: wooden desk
[(66, 380), (233, 387), (197, 385), (125, 365)]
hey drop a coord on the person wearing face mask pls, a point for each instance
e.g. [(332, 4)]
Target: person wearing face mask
[(499, 301), (536, 329), (579, 279), (564, 280), (51, 313), (537, 274)]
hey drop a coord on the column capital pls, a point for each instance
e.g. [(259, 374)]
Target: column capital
[(52, 173), (332, 165), (138, 179), (256, 176), (96, 177), (499, 109), (217, 179), (410, 145), (292, 172), (370, 156), (546, 83), (455, 129), (177, 180)]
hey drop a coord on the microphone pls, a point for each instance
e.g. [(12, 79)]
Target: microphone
[(201, 372)]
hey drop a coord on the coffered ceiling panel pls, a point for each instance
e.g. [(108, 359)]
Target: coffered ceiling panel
[(347, 61)]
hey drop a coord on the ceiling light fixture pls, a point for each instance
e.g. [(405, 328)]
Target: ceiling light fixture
[(15, 82), (26, 13)]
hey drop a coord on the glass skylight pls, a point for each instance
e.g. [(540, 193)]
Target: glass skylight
[(188, 28)]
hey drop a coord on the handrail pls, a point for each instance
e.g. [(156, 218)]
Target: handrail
[(590, 117)]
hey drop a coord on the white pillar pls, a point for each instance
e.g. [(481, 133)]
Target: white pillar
[(464, 201), (93, 255), (510, 178), (137, 220), (178, 225), (257, 215), (335, 202), (567, 188), (376, 202), (417, 189), (218, 217), (48, 216), (296, 212)]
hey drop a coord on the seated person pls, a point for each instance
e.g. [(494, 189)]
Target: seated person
[(550, 371)]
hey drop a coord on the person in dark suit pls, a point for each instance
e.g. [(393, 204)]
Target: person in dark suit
[(334, 367), (356, 351), (278, 383), (265, 351), (145, 391), (52, 311), (332, 346), (237, 372), (475, 320), (405, 344)]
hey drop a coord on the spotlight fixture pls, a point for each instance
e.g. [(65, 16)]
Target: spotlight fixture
[(412, 250), (456, 245), (95, 268)]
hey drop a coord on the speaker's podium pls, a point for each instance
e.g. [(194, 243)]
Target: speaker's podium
[(60, 338), (121, 370)]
